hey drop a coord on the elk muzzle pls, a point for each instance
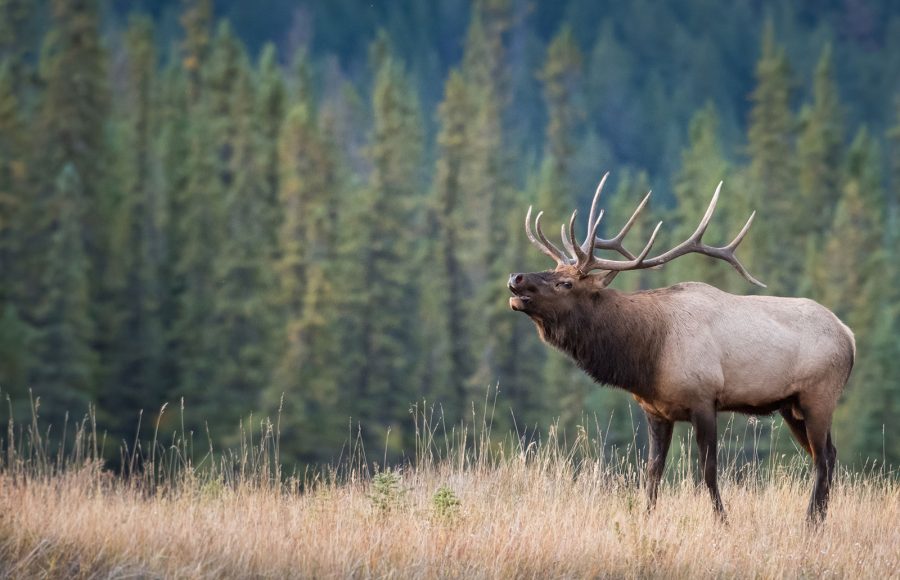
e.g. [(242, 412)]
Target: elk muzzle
[(519, 300)]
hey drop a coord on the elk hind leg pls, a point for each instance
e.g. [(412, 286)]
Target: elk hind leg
[(823, 455), (660, 438), (832, 458), (704, 423)]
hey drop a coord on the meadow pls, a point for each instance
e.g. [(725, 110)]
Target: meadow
[(464, 505)]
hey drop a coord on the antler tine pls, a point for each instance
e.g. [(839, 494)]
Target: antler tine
[(740, 237), (554, 252), (615, 243), (595, 263), (586, 246), (694, 245), (730, 248), (649, 245), (704, 223), (569, 241), (544, 245)]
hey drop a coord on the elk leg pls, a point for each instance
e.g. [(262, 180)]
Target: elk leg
[(817, 431), (832, 459), (705, 426), (660, 438), (797, 427)]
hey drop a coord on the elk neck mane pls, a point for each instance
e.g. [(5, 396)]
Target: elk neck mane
[(615, 337)]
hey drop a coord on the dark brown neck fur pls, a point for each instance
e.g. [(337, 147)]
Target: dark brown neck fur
[(616, 338)]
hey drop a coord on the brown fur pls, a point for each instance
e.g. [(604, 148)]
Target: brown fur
[(615, 338)]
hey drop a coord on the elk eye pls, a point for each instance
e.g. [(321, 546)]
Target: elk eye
[(566, 285)]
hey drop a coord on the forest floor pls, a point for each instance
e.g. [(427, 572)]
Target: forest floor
[(464, 509)]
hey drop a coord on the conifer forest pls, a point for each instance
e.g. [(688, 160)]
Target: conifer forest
[(310, 209)]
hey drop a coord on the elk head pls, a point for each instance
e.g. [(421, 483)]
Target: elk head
[(579, 274)]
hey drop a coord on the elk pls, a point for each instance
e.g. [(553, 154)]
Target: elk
[(689, 351)]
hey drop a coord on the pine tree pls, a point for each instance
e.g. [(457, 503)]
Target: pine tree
[(196, 227), (703, 167), (200, 228), (15, 16), (559, 75), (13, 181), (64, 362), (197, 22), (271, 108), (15, 332), (819, 150), (76, 103), (448, 355), (487, 193), (893, 200), (855, 236), (134, 375), (854, 287), (243, 318), (612, 66), (771, 170), (382, 290), (308, 373)]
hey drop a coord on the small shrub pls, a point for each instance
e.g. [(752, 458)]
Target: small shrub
[(445, 503), (387, 491)]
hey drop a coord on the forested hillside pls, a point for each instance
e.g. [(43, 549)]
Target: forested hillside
[(314, 207)]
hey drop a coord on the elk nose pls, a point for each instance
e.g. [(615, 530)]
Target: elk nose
[(515, 280)]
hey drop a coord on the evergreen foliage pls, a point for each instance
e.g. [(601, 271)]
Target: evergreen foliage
[(185, 213)]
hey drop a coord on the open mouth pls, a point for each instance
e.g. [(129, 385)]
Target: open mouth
[(518, 302)]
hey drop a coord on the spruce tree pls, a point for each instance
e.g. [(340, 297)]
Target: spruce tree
[(13, 182), (76, 103), (703, 167), (64, 363), (243, 318), (197, 229), (15, 43), (309, 373), (893, 200), (771, 172), (856, 236), (200, 228), (559, 75), (854, 288), (819, 151), (381, 290), (68, 201), (15, 332), (487, 194), (134, 374), (447, 354), (271, 108), (196, 20)]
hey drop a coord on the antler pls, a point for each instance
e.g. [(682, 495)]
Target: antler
[(582, 255), (695, 245)]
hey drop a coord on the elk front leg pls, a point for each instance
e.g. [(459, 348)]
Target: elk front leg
[(660, 438), (705, 427)]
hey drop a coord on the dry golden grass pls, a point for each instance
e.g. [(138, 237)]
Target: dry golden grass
[(542, 511)]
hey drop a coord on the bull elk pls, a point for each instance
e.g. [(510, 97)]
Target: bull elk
[(688, 351)]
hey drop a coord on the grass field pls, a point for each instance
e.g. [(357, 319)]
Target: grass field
[(468, 508)]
